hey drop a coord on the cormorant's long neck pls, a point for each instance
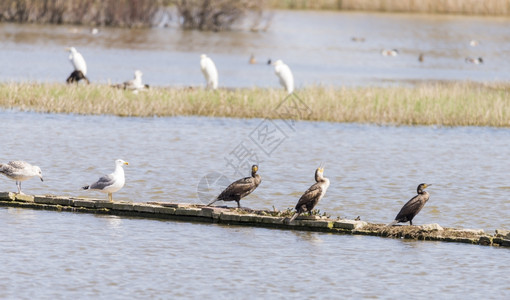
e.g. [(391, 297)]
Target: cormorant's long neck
[(419, 190)]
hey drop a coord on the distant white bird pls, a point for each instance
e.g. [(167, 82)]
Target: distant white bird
[(136, 83), (474, 43), (94, 31), (80, 67), (393, 52), (209, 70), (20, 171), (110, 183), (285, 75)]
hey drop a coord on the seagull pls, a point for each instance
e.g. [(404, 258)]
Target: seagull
[(110, 183), (209, 70), (20, 171), (80, 67), (136, 83)]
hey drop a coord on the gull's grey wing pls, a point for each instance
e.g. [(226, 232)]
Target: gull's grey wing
[(19, 164), (103, 182)]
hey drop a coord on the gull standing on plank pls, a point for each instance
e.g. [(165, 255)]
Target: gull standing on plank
[(20, 171), (285, 75), (209, 70), (80, 67), (110, 183)]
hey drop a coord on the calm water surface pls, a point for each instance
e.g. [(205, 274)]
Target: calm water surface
[(316, 45), (373, 171)]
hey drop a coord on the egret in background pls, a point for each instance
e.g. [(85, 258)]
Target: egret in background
[(285, 75), (209, 70), (80, 67)]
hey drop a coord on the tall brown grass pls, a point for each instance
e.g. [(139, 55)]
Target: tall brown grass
[(468, 7), (455, 104), (127, 13)]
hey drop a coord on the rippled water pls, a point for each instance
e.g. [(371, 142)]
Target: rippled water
[(316, 45), (64, 255), (373, 171)]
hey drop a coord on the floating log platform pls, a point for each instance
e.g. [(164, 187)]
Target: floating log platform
[(248, 217)]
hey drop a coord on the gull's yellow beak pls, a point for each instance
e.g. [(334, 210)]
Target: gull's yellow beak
[(126, 163)]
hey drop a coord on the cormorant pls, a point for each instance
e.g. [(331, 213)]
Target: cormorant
[(240, 188), (413, 206), (77, 76), (313, 195)]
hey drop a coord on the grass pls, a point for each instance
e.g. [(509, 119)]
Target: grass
[(466, 7), (447, 104)]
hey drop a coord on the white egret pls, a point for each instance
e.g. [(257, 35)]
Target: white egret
[(285, 75), (209, 70), (80, 67)]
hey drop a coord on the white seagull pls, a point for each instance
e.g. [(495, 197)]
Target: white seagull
[(209, 70), (20, 171), (110, 183), (285, 75), (136, 83)]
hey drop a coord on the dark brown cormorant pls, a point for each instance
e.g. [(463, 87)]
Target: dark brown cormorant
[(77, 76), (313, 195), (413, 206), (240, 188)]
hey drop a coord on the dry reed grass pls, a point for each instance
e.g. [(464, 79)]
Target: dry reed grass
[(453, 104), (468, 7)]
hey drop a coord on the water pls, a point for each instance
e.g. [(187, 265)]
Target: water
[(48, 255), (316, 45), (373, 171)]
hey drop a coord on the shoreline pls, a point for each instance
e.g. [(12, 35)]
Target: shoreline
[(441, 104)]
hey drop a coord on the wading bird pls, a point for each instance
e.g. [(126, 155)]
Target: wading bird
[(413, 206), (80, 67), (20, 171), (110, 183), (285, 75), (240, 188), (210, 72), (313, 195)]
